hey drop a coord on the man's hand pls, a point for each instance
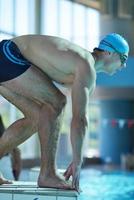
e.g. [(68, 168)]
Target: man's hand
[(74, 171)]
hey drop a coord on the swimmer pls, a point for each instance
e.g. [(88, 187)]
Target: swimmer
[(30, 65)]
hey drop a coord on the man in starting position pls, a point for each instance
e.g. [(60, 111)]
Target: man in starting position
[(29, 66)]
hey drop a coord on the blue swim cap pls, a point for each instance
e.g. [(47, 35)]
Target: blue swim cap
[(115, 43)]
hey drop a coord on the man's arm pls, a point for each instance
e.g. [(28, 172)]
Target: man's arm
[(81, 89), (83, 86)]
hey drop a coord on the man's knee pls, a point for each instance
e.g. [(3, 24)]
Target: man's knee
[(54, 108), (33, 117), (61, 104)]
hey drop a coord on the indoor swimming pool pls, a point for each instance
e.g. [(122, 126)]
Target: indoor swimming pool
[(95, 185), (100, 185)]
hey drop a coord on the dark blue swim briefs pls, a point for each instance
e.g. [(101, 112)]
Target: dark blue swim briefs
[(12, 62)]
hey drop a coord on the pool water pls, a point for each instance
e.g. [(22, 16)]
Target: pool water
[(100, 185)]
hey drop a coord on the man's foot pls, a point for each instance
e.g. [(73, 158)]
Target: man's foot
[(4, 181), (54, 182)]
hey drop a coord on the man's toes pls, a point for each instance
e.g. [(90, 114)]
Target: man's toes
[(65, 186), (7, 182)]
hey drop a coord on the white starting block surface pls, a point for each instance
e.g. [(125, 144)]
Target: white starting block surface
[(30, 191)]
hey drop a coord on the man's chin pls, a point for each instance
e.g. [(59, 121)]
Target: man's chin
[(110, 73)]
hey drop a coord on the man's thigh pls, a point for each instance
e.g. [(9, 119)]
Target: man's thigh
[(36, 86), (28, 107)]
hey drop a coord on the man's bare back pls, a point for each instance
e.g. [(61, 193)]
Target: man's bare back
[(57, 57)]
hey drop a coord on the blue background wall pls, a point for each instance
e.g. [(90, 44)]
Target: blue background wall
[(116, 141)]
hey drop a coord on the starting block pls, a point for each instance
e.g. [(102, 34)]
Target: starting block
[(20, 190)]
